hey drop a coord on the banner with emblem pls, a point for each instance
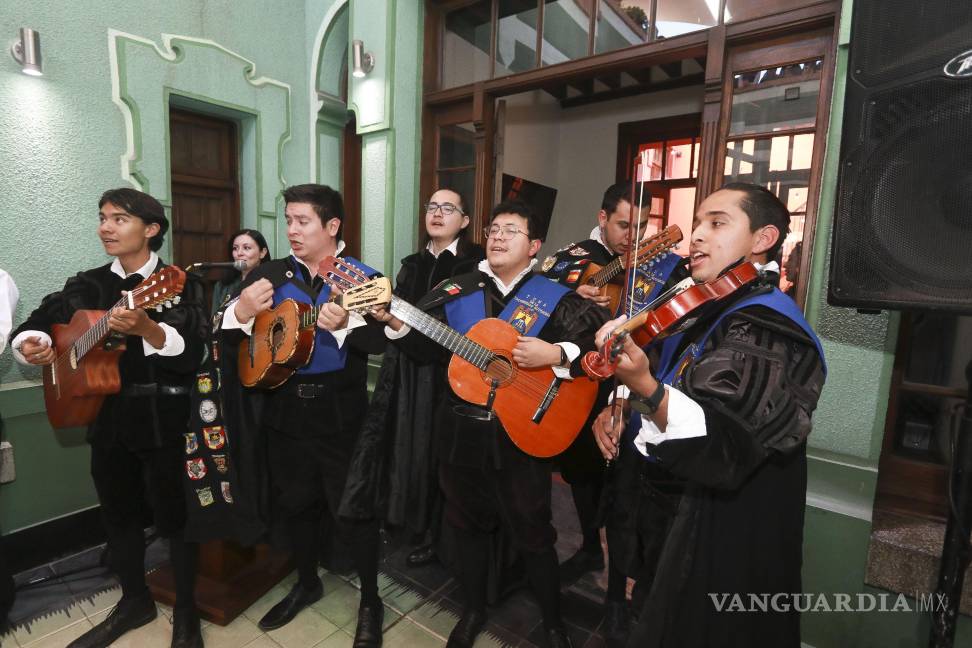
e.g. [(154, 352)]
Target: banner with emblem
[(527, 311)]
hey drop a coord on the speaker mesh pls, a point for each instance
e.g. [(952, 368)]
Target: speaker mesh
[(904, 226), (892, 39)]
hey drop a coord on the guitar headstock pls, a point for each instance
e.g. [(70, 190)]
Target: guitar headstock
[(161, 289), (361, 299), (659, 243), (338, 272)]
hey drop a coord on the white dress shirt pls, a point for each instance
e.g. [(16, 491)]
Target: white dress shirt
[(452, 247), (8, 303), (174, 343)]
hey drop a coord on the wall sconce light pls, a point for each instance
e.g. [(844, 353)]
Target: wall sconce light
[(27, 52), (362, 62)]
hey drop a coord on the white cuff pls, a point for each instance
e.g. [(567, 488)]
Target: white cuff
[(572, 351), (230, 321), (686, 420), (19, 339), (173, 346), (621, 391), (354, 321), (392, 334)]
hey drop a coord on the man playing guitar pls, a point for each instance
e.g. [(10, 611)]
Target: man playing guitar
[(486, 479), (137, 439)]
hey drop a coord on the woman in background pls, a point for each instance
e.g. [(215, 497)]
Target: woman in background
[(245, 245)]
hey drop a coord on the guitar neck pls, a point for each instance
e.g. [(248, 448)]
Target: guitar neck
[(97, 333), (604, 276), (309, 318), (442, 334)]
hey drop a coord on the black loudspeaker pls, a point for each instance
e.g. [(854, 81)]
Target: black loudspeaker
[(902, 234)]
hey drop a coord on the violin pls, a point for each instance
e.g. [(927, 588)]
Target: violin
[(674, 310)]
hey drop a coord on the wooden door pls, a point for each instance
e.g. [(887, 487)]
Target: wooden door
[(205, 186), (351, 188)]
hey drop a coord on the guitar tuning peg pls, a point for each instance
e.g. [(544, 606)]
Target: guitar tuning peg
[(168, 303), (178, 298), (159, 308)]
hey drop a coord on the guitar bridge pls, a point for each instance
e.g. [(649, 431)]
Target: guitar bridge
[(548, 398)]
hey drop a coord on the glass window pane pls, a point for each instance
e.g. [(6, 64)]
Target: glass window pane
[(738, 10), (941, 348), (462, 181), (775, 99), (695, 157), (516, 41), (681, 211), (652, 161), (779, 154), (677, 17), (802, 151), (565, 30), (457, 146), (657, 207), (678, 159), (621, 24), (465, 45)]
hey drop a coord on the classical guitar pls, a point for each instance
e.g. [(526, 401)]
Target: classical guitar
[(541, 413), (84, 371), (673, 311), (609, 277), (282, 340)]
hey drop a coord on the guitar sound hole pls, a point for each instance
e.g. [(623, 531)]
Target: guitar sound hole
[(277, 331), (500, 368)]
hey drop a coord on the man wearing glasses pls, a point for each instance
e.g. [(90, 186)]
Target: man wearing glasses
[(486, 480)]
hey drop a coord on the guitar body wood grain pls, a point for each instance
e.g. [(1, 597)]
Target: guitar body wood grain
[(277, 347)]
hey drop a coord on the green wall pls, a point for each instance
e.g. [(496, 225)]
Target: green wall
[(98, 119)]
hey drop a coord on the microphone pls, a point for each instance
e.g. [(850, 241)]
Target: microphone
[(205, 265)]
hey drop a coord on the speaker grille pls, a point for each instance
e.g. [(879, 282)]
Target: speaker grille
[(893, 39), (904, 234)]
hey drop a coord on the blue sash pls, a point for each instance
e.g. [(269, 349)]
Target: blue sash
[(671, 368), (327, 355), (649, 280), (527, 312)]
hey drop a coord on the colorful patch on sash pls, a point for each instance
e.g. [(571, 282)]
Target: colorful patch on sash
[(224, 487), (451, 288), (578, 251), (205, 496), (217, 319), (548, 263), (196, 468), (683, 365), (560, 267), (573, 276), (523, 319), (208, 411), (642, 288), (215, 346), (215, 437), (221, 463), (192, 442), (204, 384)]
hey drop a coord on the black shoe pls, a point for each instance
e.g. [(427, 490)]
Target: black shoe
[(368, 633), (617, 623), (186, 632), (421, 556), (284, 612), (580, 563), (558, 638), (470, 625), (127, 615)]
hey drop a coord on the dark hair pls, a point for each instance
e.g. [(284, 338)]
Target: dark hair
[(261, 245), (139, 204), (621, 191), (327, 202), (463, 246), (763, 208), (523, 210)]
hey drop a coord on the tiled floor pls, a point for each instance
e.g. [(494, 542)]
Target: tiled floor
[(421, 606)]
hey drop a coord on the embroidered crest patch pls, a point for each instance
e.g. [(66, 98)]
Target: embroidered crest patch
[(224, 487), (573, 276), (204, 384), (196, 468), (215, 437), (192, 442), (548, 263), (221, 463), (205, 496), (208, 411), (523, 319)]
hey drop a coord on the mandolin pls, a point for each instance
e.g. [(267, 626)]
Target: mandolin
[(608, 277), (282, 340), (84, 371), (673, 311), (541, 413)]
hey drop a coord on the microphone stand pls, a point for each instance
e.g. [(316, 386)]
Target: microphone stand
[(957, 550)]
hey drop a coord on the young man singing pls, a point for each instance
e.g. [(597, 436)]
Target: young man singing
[(728, 409), (488, 481), (137, 440), (311, 422)]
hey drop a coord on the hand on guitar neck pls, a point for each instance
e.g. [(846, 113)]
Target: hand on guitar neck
[(136, 322)]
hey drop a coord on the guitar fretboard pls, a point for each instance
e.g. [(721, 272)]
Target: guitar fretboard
[(443, 334), (98, 332)]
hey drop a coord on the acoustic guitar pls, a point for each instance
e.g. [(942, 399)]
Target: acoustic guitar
[(541, 413), (282, 340), (84, 371), (609, 278)]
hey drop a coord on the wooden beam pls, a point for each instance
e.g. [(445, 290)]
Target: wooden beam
[(612, 81), (583, 86), (634, 90), (673, 69), (641, 76), (558, 92)]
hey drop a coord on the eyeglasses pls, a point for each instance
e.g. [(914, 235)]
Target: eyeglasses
[(503, 233), (447, 209)]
